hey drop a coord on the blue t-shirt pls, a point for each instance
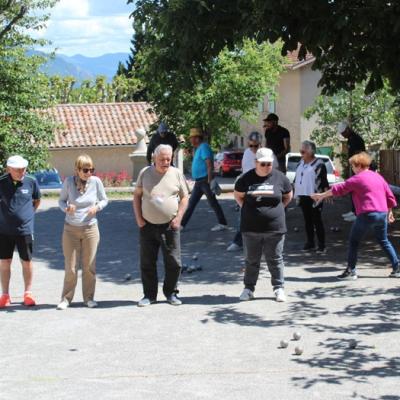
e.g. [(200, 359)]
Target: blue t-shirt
[(199, 166), (16, 205)]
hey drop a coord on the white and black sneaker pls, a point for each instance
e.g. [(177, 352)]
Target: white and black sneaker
[(348, 275), (174, 300)]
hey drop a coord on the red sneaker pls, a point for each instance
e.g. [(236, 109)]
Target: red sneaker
[(29, 300), (5, 300)]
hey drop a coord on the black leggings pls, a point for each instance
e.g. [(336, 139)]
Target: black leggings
[(312, 220)]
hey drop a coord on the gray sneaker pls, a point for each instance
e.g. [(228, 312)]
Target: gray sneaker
[(145, 302), (173, 300), (395, 273)]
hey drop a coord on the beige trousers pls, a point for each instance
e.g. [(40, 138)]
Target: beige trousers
[(80, 246)]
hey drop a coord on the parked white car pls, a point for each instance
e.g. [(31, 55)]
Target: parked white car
[(293, 159)]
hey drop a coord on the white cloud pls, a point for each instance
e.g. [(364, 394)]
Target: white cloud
[(65, 9), (77, 26)]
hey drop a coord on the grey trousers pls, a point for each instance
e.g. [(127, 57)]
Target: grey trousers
[(271, 245)]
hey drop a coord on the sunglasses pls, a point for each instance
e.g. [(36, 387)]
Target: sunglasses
[(86, 170), (265, 164), (254, 146)]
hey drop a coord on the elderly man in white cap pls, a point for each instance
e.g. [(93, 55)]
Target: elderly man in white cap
[(262, 194), (19, 199)]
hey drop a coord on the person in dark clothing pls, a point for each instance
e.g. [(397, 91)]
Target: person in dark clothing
[(162, 136), (355, 145), (277, 139)]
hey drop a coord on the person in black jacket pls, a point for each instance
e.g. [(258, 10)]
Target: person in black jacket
[(311, 177), (162, 136)]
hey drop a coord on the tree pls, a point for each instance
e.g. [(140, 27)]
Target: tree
[(24, 129), (376, 117), (353, 41), (235, 82), (66, 89)]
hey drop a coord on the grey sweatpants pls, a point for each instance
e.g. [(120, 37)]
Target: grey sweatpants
[(271, 245)]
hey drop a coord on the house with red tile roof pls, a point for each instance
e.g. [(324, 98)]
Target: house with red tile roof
[(105, 131), (296, 91)]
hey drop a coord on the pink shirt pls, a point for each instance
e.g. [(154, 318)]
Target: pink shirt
[(369, 191)]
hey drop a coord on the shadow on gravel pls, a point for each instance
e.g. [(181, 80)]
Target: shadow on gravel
[(118, 250), (341, 364)]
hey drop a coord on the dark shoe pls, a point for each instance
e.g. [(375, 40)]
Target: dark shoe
[(321, 250), (395, 273), (348, 275), (309, 247)]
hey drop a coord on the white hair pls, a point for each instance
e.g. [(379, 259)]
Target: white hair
[(163, 148)]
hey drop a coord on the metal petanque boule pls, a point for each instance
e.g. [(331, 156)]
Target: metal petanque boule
[(352, 344), (296, 229), (298, 350), (296, 336), (128, 277), (284, 344)]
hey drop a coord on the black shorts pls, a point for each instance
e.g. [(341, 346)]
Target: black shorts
[(23, 243)]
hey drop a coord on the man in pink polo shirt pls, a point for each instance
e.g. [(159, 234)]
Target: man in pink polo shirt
[(373, 201)]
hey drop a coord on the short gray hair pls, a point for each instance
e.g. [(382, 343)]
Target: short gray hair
[(162, 148), (310, 145)]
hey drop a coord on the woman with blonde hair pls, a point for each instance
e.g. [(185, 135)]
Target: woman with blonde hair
[(373, 201), (81, 198)]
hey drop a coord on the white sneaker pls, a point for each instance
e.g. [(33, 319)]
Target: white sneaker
[(218, 228), (91, 304), (174, 300), (233, 247), (63, 305), (246, 295), (280, 295), (348, 214), (145, 302), (351, 218)]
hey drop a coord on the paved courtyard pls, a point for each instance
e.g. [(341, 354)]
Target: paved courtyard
[(212, 347)]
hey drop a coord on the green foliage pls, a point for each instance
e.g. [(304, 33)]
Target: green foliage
[(227, 91), (353, 41), (121, 88), (376, 117), (24, 129)]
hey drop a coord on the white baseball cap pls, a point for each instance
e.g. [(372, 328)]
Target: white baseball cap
[(17, 162), (264, 155)]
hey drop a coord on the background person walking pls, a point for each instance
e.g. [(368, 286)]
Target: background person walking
[(82, 197), (202, 173), (373, 201), (19, 199)]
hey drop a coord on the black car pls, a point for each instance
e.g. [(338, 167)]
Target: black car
[(49, 179)]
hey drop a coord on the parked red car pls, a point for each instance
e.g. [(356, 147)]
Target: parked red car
[(228, 162)]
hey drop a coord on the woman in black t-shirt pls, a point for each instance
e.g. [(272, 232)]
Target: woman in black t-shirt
[(263, 193)]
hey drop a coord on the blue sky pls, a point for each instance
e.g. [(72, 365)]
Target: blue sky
[(89, 27)]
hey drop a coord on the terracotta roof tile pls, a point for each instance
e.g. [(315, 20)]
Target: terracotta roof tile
[(294, 62), (102, 124)]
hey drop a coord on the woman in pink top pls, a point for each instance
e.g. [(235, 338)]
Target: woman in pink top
[(373, 201)]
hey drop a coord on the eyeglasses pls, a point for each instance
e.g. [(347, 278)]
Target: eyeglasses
[(265, 164), (86, 170), (254, 146)]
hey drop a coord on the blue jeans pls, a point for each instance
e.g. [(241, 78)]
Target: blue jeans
[(201, 186), (378, 222)]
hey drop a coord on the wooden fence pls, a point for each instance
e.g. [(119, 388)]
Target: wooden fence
[(389, 166)]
